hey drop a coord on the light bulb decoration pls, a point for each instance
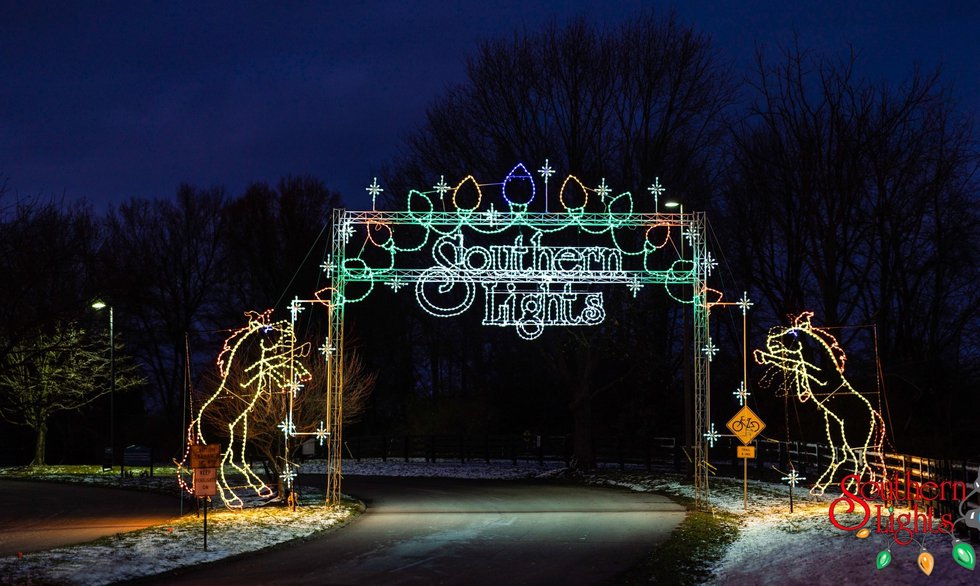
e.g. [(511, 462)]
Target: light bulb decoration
[(961, 552), (964, 555), (526, 283), (577, 187), (925, 562), (468, 182), (519, 175), (851, 441)]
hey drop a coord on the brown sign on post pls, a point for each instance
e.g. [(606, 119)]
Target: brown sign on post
[(205, 456), (205, 482)]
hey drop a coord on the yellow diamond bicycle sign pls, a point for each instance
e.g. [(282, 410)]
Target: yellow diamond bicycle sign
[(746, 425)]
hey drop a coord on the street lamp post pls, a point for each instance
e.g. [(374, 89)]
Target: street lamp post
[(689, 431), (99, 305)]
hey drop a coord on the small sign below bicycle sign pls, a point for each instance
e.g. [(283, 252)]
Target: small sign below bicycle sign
[(746, 425)]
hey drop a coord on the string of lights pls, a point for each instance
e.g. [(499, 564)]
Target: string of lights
[(852, 444), (534, 269)]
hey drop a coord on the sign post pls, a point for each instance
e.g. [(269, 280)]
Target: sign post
[(205, 461), (746, 425)]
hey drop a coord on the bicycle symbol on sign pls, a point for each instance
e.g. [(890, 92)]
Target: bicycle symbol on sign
[(745, 423)]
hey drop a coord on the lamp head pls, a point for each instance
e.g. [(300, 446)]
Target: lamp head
[(672, 204), (98, 304)]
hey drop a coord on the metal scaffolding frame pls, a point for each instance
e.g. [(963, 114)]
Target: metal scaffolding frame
[(345, 269)]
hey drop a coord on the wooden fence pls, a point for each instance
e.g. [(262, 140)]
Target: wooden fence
[(651, 453)]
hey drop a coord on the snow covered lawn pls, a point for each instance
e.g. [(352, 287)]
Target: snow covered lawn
[(775, 546)]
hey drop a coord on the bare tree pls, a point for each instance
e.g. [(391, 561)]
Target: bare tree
[(628, 104), (858, 201), (164, 262), (62, 370), (46, 251), (276, 240), (643, 100)]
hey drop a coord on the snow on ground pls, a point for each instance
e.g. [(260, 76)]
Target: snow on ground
[(803, 547), (774, 546), (180, 543)]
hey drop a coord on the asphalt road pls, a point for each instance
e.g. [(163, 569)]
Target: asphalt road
[(443, 531), (42, 515)]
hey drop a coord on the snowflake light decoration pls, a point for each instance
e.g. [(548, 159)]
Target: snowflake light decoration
[(396, 284), (375, 190), (287, 426), (741, 393), (288, 475), (442, 187), (710, 350), (603, 190), (793, 478), (712, 435), (634, 286), (322, 434), (656, 190)]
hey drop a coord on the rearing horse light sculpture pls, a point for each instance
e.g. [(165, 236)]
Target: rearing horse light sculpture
[(793, 351), (266, 360)]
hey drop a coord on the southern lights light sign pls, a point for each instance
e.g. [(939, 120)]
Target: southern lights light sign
[(532, 269)]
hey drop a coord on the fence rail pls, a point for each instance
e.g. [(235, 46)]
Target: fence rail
[(649, 453)]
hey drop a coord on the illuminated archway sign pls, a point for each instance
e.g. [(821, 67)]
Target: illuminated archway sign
[(499, 249)]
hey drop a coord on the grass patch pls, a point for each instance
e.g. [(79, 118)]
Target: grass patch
[(686, 557)]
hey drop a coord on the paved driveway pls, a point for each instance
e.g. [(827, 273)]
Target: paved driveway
[(42, 515), (442, 531)]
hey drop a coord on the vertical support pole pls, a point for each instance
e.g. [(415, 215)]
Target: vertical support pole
[(334, 350), (694, 224), (745, 484), (206, 501)]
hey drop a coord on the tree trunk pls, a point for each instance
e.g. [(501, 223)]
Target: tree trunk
[(40, 443)]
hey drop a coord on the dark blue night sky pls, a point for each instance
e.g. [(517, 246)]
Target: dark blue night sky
[(111, 100)]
